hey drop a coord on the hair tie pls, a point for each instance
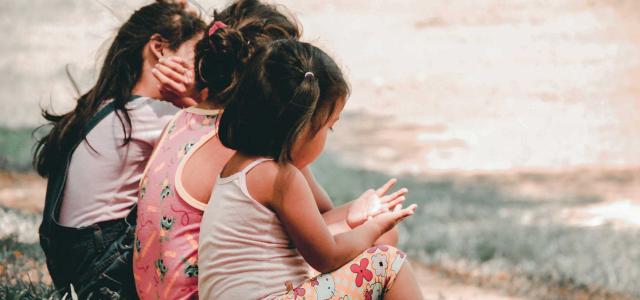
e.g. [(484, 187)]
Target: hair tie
[(309, 75), (216, 25)]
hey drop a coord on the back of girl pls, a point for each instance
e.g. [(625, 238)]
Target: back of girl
[(94, 155), (190, 155), (262, 226)]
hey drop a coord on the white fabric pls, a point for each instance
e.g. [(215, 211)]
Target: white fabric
[(103, 184), (244, 251)]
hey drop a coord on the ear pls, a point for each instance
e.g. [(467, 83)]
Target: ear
[(157, 46)]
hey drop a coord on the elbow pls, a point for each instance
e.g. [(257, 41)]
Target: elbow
[(324, 264)]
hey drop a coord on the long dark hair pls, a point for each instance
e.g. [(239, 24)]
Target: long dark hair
[(288, 86), (222, 55), (121, 70)]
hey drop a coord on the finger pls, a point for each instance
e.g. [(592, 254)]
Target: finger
[(388, 207), (391, 205), (405, 213), (168, 84), (180, 61), (384, 188), (409, 210), (175, 65), (172, 74), (398, 193), (184, 102)]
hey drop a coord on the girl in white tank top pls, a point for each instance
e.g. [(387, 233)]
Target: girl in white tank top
[(262, 227)]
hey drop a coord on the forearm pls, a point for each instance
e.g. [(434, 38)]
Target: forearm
[(350, 244), (389, 238), (336, 215)]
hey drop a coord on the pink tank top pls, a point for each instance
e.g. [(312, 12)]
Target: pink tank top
[(168, 224), (245, 252)]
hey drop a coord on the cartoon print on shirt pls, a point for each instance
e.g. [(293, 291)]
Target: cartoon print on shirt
[(190, 269), (143, 188), (184, 150), (138, 246), (166, 189), (172, 127), (167, 222), (161, 269)]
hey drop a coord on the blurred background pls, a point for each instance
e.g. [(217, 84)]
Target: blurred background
[(514, 124)]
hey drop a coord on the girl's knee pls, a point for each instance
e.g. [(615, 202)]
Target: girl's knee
[(385, 261)]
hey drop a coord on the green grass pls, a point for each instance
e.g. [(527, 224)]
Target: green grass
[(478, 220), (16, 146), (22, 273)]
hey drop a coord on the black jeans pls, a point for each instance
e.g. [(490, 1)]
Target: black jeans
[(96, 260)]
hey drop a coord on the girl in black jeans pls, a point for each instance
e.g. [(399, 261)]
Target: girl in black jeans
[(94, 155)]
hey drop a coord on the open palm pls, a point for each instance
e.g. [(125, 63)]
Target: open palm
[(374, 202)]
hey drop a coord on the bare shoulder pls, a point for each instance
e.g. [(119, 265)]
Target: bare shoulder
[(267, 180)]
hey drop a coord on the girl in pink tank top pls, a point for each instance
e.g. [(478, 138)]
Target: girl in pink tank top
[(166, 245)]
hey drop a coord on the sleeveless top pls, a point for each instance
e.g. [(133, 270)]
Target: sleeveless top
[(166, 246), (245, 252)]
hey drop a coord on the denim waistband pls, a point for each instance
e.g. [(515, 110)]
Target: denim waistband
[(70, 234)]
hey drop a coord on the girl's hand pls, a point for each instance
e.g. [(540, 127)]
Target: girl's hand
[(372, 203), (176, 77), (387, 220)]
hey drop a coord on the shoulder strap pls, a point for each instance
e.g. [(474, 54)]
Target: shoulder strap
[(101, 114), (253, 164), (57, 179)]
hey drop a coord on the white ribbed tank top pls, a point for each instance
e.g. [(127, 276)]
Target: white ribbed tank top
[(244, 251)]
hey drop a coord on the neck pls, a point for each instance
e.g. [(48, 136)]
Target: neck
[(147, 85)]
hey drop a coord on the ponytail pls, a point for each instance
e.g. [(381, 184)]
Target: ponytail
[(301, 108), (288, 91), (223, 54)]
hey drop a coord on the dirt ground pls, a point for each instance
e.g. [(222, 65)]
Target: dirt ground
[(436, 287)]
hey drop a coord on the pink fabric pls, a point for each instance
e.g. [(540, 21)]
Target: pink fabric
[(168, 228), (102, 184)]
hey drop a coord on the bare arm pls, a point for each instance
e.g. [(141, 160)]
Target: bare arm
[(337, 218), (321, 197), (294, 204)]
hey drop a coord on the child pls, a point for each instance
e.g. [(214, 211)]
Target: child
[(180, 175), (92, 188), (262, 222)]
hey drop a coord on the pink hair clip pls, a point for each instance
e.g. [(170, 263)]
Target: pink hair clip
[(216, 25)]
